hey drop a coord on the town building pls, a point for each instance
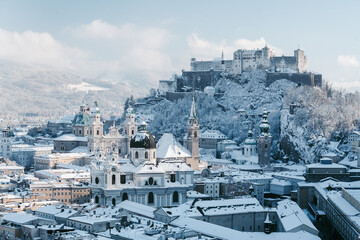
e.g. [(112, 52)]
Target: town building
[(337, 202), (24, 155), (52, 160), (64, 192), (6, 143), (210, 138), (326, 168)]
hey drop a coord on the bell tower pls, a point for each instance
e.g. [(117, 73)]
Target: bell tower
[(192, 137), (130, 126), (264, 148), (95, 129)]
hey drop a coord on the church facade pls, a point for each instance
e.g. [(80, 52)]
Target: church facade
[(137, 174)]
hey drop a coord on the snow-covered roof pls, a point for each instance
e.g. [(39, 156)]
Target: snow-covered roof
[(62, 155), (66, 213), (19, 218), (168, 147), (174, 165), (53, 210), (148, 167), (321, 165), (280, 182), (137, 208), (90, 220), (71, 137), (213, 134), (345, 207), (293, 218), (220, 232), (80, 149)]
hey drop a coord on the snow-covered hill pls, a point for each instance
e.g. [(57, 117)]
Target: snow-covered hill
[(35, 93), (324, 114)]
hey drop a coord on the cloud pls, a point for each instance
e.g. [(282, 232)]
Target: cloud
[(348, 61), (202, 48), (139, 48), (38, 48), (126, 53)]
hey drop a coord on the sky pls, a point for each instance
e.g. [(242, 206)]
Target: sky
[(145, 41)]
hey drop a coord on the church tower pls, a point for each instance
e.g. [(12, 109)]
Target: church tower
[(95, 129), (130, 126), (192, 137), (264, 142)]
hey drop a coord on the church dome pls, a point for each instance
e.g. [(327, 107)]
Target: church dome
[(83, 117), (250, 140), (143, 139)]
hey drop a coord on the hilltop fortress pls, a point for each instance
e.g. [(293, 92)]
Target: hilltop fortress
[(254, 59), (207, 73)]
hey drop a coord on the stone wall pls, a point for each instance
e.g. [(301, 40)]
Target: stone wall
[(310, 79)]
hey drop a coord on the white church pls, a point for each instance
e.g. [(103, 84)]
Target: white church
[(130, 166)]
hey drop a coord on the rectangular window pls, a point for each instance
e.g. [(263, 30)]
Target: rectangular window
[(122, 179)]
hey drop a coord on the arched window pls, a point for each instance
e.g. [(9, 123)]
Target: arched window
[(113, 179), (125, 196), (195, 134), (125, 131), (146, 155), (136, 155), (150, 198), (96, 199), (175, 197), (132, 131), (153, 154), (97, 132), (113, 201), (97, 180)]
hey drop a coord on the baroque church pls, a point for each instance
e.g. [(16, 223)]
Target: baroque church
[(126, 166)]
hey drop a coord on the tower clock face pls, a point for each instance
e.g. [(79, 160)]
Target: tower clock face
[(113, 169)]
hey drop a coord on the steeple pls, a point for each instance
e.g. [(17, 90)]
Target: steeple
[(193, 110), (191, 140), (222, 55)]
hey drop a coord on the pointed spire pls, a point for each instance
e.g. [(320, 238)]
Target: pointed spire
[(193, 110), (222, 55)]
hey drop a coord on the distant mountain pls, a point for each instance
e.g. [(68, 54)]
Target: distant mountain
[(35, 93)]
